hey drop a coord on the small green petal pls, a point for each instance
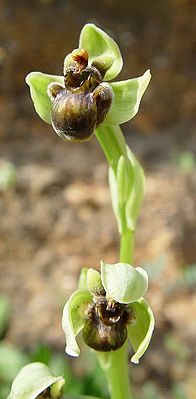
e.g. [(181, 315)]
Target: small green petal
[(74, 319), (38, 83), (123, 282), (101, 48), (140, 331), (32, 380), (126, 100), (94, 283)]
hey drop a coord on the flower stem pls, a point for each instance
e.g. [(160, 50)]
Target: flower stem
[(114, 364), (112, 142), (126, 247)]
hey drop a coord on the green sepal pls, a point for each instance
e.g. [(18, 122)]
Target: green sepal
[(123, 282), (38, 83), (32, 380), (141, 329), (74, 316), (101, 48), (127, 95), (136, 193)]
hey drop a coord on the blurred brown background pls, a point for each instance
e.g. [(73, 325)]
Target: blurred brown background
[(57, 216)]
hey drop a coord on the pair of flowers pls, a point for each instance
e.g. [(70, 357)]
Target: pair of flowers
[(108, 307)]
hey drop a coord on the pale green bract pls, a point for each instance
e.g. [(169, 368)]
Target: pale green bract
[(32, 380), (127, 190), (122, 283), (102, 48)]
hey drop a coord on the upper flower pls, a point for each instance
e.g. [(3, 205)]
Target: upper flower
[(76, 103), (109, 308)]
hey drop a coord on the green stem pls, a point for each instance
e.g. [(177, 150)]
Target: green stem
[(113, 143), (126, 247), (114, 364)]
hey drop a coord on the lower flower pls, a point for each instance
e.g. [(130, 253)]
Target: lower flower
[(109, 314)]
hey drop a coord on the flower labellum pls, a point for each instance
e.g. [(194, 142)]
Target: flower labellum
[(105, 330), (80, 106)]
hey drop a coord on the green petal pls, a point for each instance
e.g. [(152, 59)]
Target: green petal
[(32, 380), (101, 48), (140, 331), (38, 83), (123, 282), (94, 283), (74, 319), (127, 97)]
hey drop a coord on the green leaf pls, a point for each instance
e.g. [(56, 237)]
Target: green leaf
[(101, 48), (136, 194), (123, 282), (79, 397), (127, 97), (7, 180), (32, 380), (11, 361), (140, 331), (38, 83), (74, 315), (4, 314)]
